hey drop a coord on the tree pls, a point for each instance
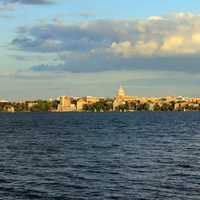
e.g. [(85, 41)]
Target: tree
[(100, 106), (146, 106), (123, 107), (20, 107), (44, 106), (167, 107), (88, 108), (156, 107), (132, 105)]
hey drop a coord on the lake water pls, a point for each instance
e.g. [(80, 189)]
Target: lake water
[(93, 156)]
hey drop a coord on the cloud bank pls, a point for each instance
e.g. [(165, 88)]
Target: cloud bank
[(156, 43)]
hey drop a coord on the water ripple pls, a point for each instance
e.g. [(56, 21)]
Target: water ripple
[(140, 156)]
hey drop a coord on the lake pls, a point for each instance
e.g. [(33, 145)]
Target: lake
[(139, 155)]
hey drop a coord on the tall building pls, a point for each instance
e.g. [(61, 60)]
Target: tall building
[(121, 98), (121, 92)]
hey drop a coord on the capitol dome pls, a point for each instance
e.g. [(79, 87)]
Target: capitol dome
[(121, 92)]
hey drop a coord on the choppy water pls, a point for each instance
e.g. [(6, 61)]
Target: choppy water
[(100, 156)]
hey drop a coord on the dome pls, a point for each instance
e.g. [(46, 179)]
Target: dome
[(121, 92)]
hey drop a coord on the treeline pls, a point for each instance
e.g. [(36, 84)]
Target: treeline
[(104, 106), (101, 106), (44, 106), (36, 106)]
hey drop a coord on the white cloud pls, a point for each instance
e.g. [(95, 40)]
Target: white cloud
[(172, 43), (156, 18), (173, 34), (196, 38), (127, 49)]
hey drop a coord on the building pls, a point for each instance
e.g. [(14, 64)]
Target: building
[(178, 106), (121, 92), (66, 104), (88, 100), (3, 103), (9, 108), (80, 104), (121, 98), (31, 104)]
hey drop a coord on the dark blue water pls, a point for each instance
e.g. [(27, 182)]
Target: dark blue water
[(100, 156)]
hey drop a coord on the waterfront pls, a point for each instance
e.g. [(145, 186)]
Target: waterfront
[(141, 155), (120, 103)]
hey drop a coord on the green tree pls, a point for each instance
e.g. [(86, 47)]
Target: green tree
[(146, 107), (156, 107), (41, 106), (88, 108), (165, 107)]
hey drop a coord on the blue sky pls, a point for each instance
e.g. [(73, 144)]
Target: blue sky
[(50, 48)]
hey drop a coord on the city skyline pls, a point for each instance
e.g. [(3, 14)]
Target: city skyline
[(50, 48), (121, 102)]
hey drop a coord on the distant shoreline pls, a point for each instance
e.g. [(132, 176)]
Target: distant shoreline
[(120, 103), (189, 111)]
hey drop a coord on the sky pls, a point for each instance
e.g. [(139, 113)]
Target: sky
[(50, 48)]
